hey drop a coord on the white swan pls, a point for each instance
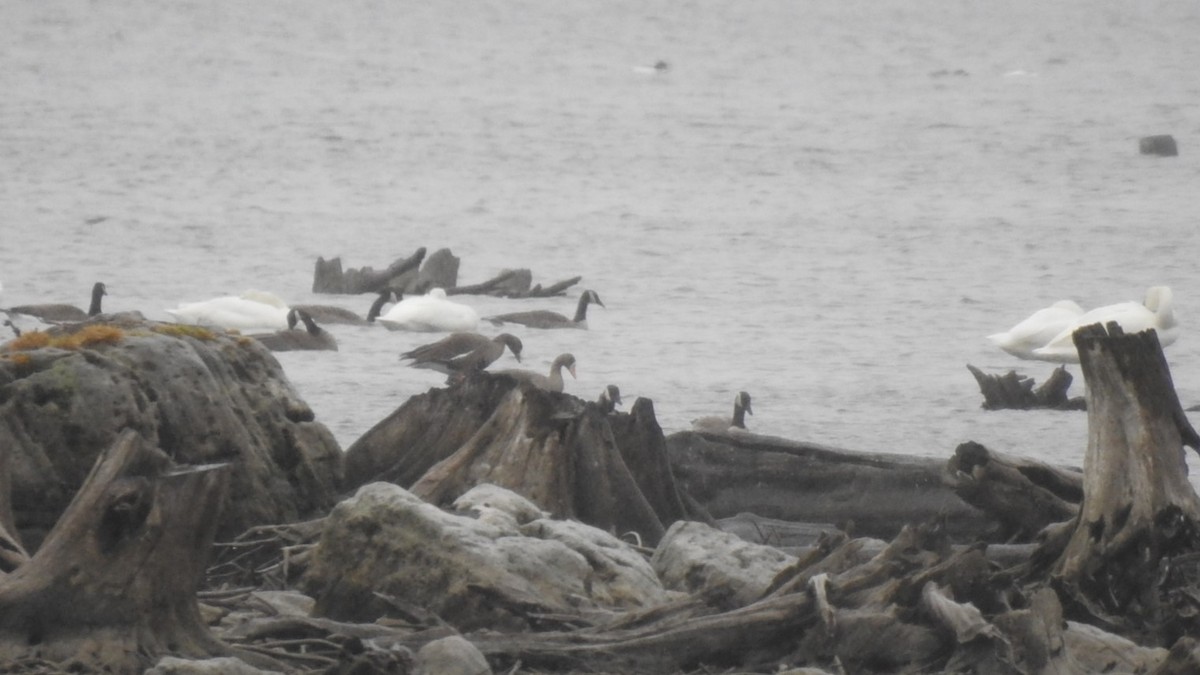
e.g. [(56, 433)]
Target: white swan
[(1133, 317), (252, 310), (430, 313), (1038, 329)]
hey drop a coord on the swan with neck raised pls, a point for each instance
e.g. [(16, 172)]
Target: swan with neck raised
[(1037, 329), (431, 312), (252, 310), (1155, 312)]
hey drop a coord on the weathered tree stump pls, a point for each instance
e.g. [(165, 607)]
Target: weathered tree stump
[(114, 584), (440, 270), (1138, 527), (328, 277), (1015, 392), (1023, 495)]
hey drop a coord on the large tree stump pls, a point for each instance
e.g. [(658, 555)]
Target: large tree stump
[(114, 584), (329, 277), (1139, 516)]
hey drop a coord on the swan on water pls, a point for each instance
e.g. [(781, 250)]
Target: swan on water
[(1037, 330), (1156, 312), (252, 310), (431, 312)]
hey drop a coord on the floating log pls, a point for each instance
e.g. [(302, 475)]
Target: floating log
[(1015, 392), (114, 584), (328, 277), (1131, 559), (1162, 145)]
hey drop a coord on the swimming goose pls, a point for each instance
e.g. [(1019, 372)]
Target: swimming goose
[(312, 338), (1038, 329), (552, 383), (385, 296), (609, 399), (328, 314), (541, 318), (463, 352), (61, 312), (431, 312), (1155, 312), (741, 406), (252, 310)]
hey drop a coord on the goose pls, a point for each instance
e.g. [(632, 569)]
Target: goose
[(541, 318), (57, 313), (658, 68), (741, 406), (1038, 329), (385, 296), (463, 352), (553, 382), (312, 338), (252, 310), (328, 314), (431, 312), (609, 399), (1155, 312)]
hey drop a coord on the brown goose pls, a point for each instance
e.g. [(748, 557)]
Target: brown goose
[(312, 338), (57, 313), (463, 352), (553, 382), (543, 318), (741, 406)]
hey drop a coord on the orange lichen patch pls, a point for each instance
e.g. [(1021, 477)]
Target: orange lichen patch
[(184, 330), (94, 334), (34, 339)]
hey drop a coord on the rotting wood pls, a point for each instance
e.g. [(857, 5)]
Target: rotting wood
[(1011, 391)]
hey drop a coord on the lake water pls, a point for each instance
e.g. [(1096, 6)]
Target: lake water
[(826, 203)]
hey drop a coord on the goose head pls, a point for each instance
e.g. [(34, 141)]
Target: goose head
[(99, 290), (564, 361), (609, 399), (513, 343), (741, 406), (291, 319)]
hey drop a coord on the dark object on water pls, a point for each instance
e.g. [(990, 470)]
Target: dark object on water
[(1015, 392), (1162, 145)]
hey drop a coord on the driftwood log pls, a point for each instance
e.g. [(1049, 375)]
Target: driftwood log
[(1131, 558), (1023, 495), (1016, 392), (731, 473), (329, 277), (114, 584)]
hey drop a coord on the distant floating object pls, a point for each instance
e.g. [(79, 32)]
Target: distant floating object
[(1037, 330), (1020, 73), (1162, 145), (658, 68)]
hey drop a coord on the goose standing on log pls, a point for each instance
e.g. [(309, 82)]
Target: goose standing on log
[(1156, 312), (542, 318), (553, 382), (431, 312), (741, 406), (1037, 330), (252, 310), (312, 338), (462, 352), (60, 313)]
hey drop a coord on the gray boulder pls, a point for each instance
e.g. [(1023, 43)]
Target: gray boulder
[(384, 541), (200, 396), (694, 557), (452, 655)]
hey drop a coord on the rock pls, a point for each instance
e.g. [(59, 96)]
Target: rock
[(440, 270), (385, 541), (694, 557), (452, 655), (226, 665), (202, 397), (1162, 145)]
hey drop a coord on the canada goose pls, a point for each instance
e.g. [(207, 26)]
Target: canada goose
[(463, 352), (741, 406), (1037, 330), (430, 312), (312, 338), (542, 318), (57, 313), (1155, 312), (385, 296), (553, 382), (609, 399), (252, 310)]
